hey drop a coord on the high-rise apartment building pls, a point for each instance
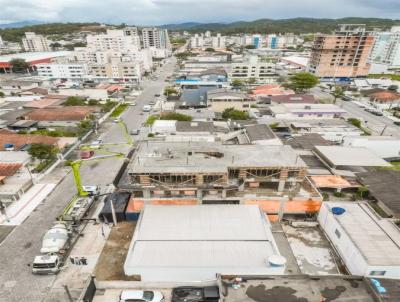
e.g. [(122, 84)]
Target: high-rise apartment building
[(386, 48), (343, 54), (119, 40), (155, 37), (33, 42)]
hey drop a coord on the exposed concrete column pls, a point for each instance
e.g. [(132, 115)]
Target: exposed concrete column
[(281, 209), (146, 193), (282, 179), (242, 173), (223, 193), (199, 193), (281, 185), (199, 180)]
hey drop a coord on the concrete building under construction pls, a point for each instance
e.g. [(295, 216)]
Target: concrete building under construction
[(212, 173)]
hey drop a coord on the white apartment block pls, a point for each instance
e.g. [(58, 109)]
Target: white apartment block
[(1, 42), (197, 41), (63, 70), (252, 67), (155, 37), (118, 40), (386, 49), (117, 70), (218, 42), (35, 43)]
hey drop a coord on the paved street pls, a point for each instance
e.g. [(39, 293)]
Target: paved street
[(17, 251), (375, 123)]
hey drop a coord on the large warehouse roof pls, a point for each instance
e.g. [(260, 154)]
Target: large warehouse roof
[(208, 222), (194, 243), (34, 56)]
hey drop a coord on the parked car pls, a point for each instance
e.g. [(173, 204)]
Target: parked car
[(157, 95), (91, 190), (397, 123), (141, 296), (152, 103), (85, 154), (96, 144), (146, 108), (134, 132), (195, 294), (377, 113), (117, 120)]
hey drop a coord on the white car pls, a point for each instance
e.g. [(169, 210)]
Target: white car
[(141, 296), (96, 144)]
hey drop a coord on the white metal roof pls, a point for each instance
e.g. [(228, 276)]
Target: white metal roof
[(194, 243), (351, 156), (34, 56), (367, 233), (202, 222)]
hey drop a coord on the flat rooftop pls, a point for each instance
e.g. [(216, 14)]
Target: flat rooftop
[(350, 156), (384, 186), (34, 56), (194, 243), (302, 288), (193, 157), (368, 233)]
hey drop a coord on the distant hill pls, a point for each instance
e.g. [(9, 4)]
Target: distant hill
[(181, 26), (296, 25), (15, 34), (20, 24)]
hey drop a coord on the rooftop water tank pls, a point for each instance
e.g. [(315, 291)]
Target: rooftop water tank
[(277, 260), (338, 210)]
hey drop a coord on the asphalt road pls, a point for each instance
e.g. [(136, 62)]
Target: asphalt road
[(374, 123), (17, 251)]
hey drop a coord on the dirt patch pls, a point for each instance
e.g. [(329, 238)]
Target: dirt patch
[(111, 262), (276, 294)]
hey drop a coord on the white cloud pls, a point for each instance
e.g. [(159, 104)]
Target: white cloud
[(167, 11)]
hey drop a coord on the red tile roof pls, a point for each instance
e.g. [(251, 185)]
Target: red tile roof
[(294, 99), (271, 89), (42, 103), (67, 113), (19, 140), (387, 96), (9, 169)]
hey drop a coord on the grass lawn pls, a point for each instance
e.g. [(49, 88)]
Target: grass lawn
[(117, 111), (151, 119), (394, 77)]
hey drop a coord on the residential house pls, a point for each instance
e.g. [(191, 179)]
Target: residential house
[(220, 99)]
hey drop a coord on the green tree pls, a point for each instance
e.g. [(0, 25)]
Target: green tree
[(337, 93), (55, 46), (237, 83), (43, 152), (252, 81), (302, 81), (19, 65), (74, 101), (251, 46), (355, 122), (210, 49), (170, 91), (234, 114), (2, 95), (84, 126), (176, 116)]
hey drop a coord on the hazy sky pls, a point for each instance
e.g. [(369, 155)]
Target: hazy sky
[(147, 12)]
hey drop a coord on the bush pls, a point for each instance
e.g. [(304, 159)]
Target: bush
[(150, 135), (355, 122), (151, 119), (75, 101), (176, 116), (233, 114), (338, 194), (117, 111), (108, 106), (325, 196)]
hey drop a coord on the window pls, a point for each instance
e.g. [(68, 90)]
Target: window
[(337, 233), (377, 273)]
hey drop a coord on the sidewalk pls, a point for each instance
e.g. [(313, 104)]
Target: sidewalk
[(19, 210)]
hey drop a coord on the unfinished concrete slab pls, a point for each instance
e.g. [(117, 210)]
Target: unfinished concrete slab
[(312, 250)]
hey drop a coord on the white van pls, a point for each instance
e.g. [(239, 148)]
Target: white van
[(146, 108)]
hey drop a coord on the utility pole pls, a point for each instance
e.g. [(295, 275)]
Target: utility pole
[(383, 130), (113, 212)]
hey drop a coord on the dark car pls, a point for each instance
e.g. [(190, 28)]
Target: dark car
[(396, 123), (157, 95), (195, 294)]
